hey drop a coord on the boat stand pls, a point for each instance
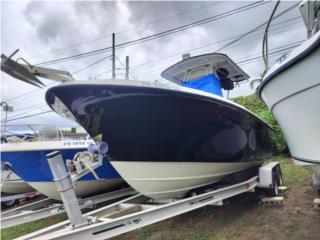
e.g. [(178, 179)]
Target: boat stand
[(49, 207)]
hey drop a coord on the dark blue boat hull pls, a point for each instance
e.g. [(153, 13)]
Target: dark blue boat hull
[(162, 125)]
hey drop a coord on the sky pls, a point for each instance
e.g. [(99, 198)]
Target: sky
[(49, 30)]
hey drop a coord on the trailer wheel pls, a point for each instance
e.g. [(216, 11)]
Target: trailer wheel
[(274, 191), (279, 176), (9, 203)]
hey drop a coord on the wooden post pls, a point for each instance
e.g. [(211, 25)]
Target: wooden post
[(127, 67)]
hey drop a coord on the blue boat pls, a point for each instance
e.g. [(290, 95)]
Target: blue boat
[(27, 156)]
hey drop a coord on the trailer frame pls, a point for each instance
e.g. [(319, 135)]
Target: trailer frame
[(49, 207), (139, 211)]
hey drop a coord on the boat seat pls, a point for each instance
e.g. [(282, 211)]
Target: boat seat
[(196, 73)]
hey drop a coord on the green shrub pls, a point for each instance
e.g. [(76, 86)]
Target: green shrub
[(254, 104)]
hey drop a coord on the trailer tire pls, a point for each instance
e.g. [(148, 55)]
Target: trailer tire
[(9, 203), (274, 191), (279, 176)]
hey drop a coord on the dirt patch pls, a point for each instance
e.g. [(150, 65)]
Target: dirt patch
[(242, 217)]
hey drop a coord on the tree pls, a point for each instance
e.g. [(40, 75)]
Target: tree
[(257, 80)]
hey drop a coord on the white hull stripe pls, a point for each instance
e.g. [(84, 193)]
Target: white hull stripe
[(45, 145)]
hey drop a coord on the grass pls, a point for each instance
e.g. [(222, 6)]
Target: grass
[(146, 232), (23, 229), (201, 235), (293, 174), (228, 219)]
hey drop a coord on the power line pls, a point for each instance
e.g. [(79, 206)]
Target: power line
[(210, 44), (256, 28), (99, 74), (125, 31), (278, 51), (25, 108), (90, 65), (161, 34), (260, 58), (36, 114), (27, 93), (283, 47), (242, 57), (259, 26), (30, 110), (232, 46)]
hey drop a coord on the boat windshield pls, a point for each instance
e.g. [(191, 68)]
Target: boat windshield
[(209, 72)]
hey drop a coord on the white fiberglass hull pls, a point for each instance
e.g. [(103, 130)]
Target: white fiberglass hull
[(293, 96), (13, 184), (169, 180), (82, 188)]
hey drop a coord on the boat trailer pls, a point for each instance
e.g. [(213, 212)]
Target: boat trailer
[(49, 207), (9, 200), (137, 211)]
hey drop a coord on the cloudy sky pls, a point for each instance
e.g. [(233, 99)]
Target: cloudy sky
[(49, 30)]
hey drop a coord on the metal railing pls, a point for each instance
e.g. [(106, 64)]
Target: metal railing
[(38, 133)]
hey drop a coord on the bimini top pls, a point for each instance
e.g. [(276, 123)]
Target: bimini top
[(195, 67)]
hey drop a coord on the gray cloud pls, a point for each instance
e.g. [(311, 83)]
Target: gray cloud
[(145, 12)]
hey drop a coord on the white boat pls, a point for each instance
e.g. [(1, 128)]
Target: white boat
[(291, 90), (166, 139), (11, 183)]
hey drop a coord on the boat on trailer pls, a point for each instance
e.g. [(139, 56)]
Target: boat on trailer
[(168, 138), (291, 90), (139, 211), (25, 153)]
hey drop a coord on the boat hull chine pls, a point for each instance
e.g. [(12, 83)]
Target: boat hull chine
[(82, 188), (167, 180)]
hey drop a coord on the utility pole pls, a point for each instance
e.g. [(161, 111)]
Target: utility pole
[(127, 67), (113, 57), (5, 108)]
